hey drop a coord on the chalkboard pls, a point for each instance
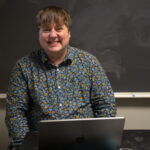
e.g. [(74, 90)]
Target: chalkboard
[(117, 32)]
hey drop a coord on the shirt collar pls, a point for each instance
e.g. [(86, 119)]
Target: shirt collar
[(44, 58), (68, 58), (70, 54)]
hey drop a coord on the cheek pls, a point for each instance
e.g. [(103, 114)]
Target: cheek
[(66, 37), (43, 37)]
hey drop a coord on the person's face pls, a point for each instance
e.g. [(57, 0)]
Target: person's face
[(54, 38)]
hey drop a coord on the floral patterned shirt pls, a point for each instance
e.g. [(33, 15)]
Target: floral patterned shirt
[(38, 90)]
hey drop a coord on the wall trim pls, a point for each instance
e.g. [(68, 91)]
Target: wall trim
[(117, 95)]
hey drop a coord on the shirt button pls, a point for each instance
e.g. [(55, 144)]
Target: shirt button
[(96, 114), (59, 87), (60, 105)]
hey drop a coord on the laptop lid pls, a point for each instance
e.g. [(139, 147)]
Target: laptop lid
[(76, 133)]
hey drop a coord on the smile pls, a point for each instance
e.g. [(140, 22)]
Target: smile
[(53, 42)]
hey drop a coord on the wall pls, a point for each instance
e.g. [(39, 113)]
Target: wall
[(136, 112), (3, 130)]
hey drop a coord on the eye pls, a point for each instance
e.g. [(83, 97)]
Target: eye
[(46, 29), (59, 29)]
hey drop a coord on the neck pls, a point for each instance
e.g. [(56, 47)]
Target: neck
[(57, 58)]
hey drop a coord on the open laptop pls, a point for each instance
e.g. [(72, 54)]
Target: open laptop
[(76, 134)]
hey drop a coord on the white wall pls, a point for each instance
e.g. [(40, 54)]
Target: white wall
[(3, 130), (136, 111)]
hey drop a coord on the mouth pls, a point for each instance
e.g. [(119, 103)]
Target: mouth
[(53, 42)]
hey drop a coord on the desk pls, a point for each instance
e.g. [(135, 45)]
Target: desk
[(135, 139)]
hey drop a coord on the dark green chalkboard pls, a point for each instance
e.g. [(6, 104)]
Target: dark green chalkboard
[(116, 31)]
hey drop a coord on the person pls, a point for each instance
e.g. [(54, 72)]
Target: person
[(57, 81)]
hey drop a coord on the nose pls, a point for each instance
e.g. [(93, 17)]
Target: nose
[(52, 33)]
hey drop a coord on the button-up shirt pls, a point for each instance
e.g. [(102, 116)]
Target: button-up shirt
[(38, 90)]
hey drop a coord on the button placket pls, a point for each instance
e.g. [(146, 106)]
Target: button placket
[(57, 73), (59, 94)]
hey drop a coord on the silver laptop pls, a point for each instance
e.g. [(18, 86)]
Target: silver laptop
[(75, 134)]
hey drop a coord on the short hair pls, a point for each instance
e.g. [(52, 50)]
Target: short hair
[(53, 14)]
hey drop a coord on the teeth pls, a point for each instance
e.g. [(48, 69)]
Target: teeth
[(52, 41)]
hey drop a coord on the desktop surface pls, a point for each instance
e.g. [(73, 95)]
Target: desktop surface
[(134, 139)]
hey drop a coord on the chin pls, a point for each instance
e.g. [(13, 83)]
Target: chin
[(54, 50)]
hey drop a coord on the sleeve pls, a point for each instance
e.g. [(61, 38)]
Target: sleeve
[(17, 106), (102, 96)]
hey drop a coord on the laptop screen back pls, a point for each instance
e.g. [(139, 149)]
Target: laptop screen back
[(76, 133)]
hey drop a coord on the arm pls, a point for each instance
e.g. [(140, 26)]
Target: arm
[(102, 96), (17, 106)]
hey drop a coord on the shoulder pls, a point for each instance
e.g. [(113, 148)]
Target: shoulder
[(85, 56), (29, 58), (26, 62)]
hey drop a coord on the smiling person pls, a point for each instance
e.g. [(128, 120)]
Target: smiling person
[(54, 34), (57, 81)]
